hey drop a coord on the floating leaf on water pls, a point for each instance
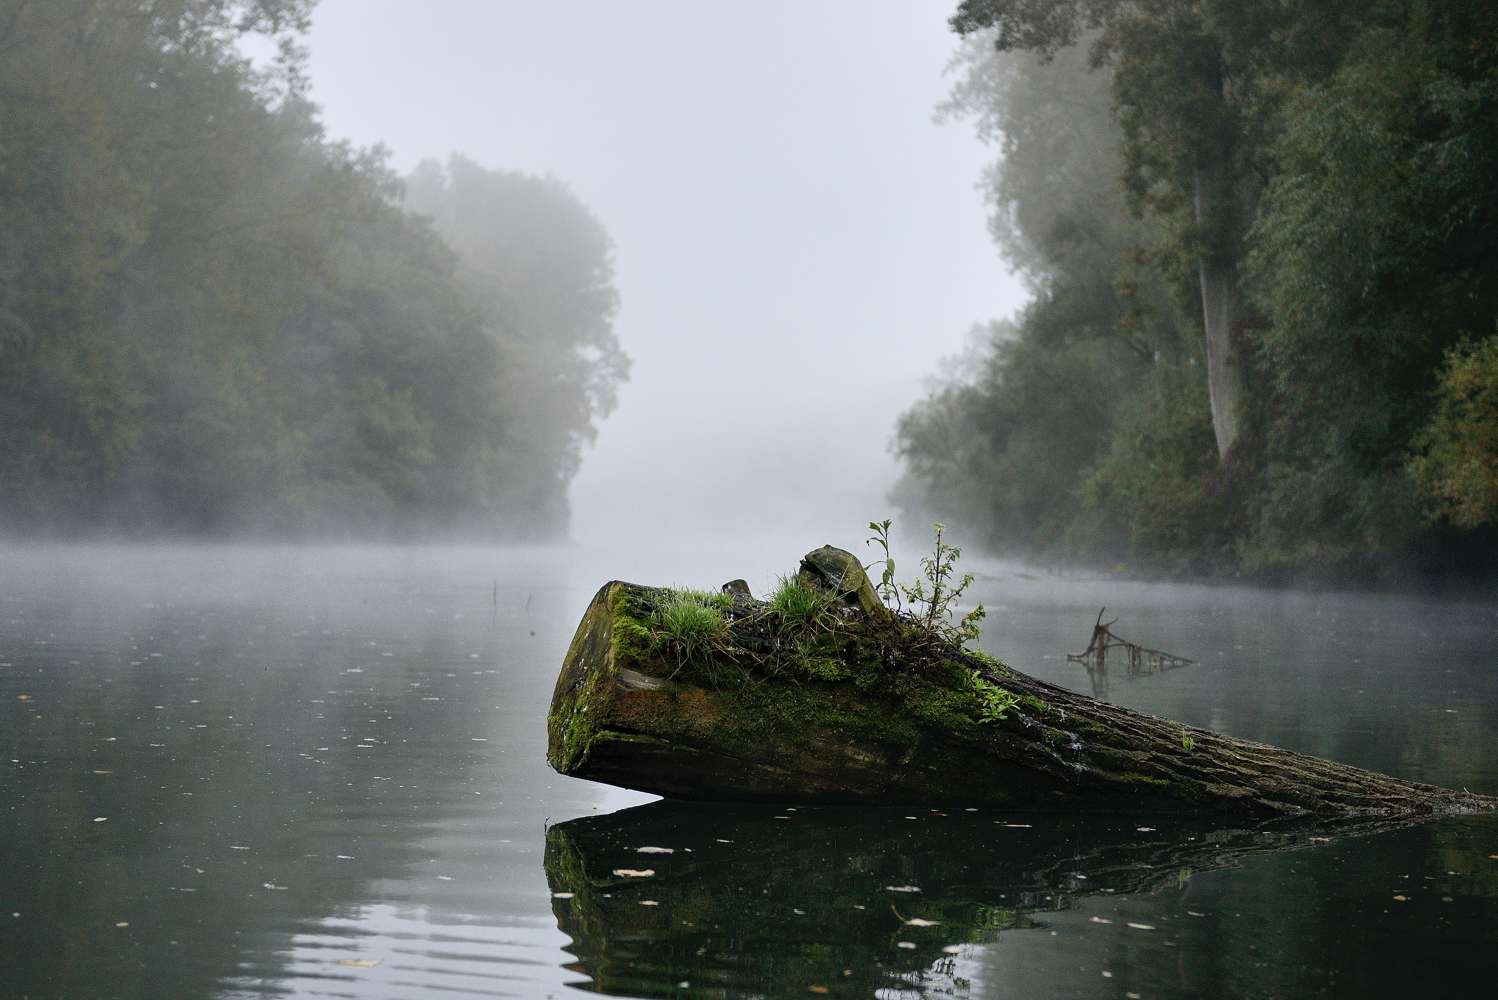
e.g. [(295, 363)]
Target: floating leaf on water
[(23, 697), (920, 922), (903, 888), (561, 895), (122, 923), (100, 819), (1141, 927), (1099, 920), (649, 902), (655, 850), (909, 945), (359, 963), (634, 872), (1193, 913), (1401, 899), (722, 841), (817, 989)]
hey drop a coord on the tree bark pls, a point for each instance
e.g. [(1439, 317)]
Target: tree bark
[(1221, 308), (874, 712)]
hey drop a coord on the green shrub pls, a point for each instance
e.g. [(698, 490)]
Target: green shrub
[(1456, 460)]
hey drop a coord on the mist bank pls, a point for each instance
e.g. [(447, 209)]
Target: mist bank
[(214, 321), (1262, 245)]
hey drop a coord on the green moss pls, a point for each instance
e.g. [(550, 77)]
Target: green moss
[(818, 666), (633, 641), (1090, 729), (1135, 778), (586, 681), (939, 706), (784, 715), (1035, 704), (994, 665)]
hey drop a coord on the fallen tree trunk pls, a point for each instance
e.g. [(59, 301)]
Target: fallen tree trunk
[(856, 707)]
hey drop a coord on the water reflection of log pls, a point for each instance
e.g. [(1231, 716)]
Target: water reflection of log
[(1141, 661), (744, 901)]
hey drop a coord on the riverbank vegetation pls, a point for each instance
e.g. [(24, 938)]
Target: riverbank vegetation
[(1262, 246), (216, 320)]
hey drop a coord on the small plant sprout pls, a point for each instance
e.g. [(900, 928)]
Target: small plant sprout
[(889, 593), (934, 597), (994, 702), (1187, 743)]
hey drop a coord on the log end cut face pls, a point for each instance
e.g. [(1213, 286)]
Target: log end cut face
[(585, 685)]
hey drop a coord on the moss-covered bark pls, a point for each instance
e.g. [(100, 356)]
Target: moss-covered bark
[(854, 709)]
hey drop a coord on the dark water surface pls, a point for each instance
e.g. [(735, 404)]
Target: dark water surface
[(233, 772)]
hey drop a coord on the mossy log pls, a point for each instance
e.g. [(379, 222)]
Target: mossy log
[(858, 709)]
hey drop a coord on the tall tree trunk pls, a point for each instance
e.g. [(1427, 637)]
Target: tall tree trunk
[(1221, 299), (1219, 223)]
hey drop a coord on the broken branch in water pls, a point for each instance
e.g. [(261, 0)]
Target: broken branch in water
[(1141, 660)]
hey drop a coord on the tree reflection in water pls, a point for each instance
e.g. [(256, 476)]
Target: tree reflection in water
[(765, 902)]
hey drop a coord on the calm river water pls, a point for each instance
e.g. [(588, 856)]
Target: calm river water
[(237, 772)]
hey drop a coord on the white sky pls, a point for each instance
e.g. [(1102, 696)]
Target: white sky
[(797, 242)]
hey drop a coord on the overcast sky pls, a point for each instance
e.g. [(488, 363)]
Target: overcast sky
[(797, 243)]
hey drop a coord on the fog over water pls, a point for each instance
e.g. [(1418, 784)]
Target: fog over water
[(797, 240), (295, 546)]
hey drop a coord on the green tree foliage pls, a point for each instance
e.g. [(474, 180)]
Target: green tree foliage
[(1012, 442), (212, 319), (1356, 229), (1376, 251), (1456, 461), (540, 267)]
